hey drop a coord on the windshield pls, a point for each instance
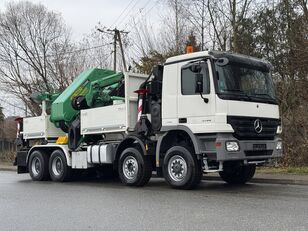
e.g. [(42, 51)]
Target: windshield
[(240, 81)]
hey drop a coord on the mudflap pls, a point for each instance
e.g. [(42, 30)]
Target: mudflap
[(21, 161)]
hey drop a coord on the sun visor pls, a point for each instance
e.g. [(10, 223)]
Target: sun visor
[(243, 59)]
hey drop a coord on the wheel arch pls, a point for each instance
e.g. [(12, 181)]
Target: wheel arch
[(126, 143), (175, 135), (49, 149)]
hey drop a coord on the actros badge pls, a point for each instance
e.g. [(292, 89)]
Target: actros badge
[(258, 126)]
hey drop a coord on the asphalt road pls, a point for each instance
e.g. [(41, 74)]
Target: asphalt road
[(108, 205)]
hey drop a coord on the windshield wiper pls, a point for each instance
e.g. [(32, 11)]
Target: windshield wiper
[(265, 94), (239, 91)]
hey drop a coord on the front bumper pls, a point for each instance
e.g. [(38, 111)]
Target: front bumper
[(250, 150)]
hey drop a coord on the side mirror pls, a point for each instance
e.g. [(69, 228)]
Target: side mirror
[(199, 86), (199, 83), (222, 62)]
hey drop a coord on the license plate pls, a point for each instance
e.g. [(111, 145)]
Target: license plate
[(259, 147)]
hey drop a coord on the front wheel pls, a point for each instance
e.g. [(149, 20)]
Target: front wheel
[(134, 168), (181, 168), (58, 168), (237, 174)]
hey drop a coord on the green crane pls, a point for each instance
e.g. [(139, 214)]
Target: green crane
[(92, 88)]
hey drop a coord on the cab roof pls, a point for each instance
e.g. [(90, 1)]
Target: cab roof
[(183, 57), (220, 54)]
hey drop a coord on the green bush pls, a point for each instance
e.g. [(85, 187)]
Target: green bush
[(7, 157)]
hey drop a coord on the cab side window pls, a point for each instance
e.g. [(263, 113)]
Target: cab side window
[(189, 80)]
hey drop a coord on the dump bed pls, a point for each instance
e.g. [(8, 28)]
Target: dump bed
[(40, 127), (119, 117)]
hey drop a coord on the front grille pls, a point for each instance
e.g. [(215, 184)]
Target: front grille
[(244, 128), (259, 153)]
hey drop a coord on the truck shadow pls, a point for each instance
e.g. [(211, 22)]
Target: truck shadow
[(212, 188), (157, 184)]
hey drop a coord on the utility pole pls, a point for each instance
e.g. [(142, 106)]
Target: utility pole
[(121, 47), (114, 51), (202, 25), (177, 26), (116, 38)]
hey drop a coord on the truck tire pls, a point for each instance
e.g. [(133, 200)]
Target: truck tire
[(38, 166), (238, 174), (181, 168), (135, 169), (58, 168)]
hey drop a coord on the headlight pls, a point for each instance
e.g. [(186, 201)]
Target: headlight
[(279, 145), (232, 146), (279, 129)]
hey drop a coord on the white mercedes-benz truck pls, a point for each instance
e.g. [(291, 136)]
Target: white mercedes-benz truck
[(197, 113)]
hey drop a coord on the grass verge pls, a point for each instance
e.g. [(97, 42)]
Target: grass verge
[(283, 170)]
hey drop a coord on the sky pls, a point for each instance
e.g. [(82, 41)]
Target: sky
[(82, 16)]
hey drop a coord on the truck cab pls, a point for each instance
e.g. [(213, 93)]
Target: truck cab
[(237, 104)]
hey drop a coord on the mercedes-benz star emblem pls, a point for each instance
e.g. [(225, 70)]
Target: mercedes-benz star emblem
[(258, 126)]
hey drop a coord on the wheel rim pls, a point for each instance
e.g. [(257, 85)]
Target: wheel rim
[(57, 166), (130, 167), (177, 168), (36, 166)]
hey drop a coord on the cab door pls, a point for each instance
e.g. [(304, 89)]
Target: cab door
[(193, 111)]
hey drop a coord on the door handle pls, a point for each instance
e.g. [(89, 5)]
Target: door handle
[(182, 120)]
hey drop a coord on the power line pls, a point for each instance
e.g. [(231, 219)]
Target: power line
[(140, 19), (128, 12), (134, 25), (85, 49), (67, 52), (122, 13), (79, 50), (143, 7), (134, 16)]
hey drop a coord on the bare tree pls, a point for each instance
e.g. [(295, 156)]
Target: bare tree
[(1, 115), (226, 17), (195, 12), (1, 123), (176, 29), (34, 45)]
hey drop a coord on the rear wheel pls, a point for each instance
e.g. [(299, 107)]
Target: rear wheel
[(134, 168), (38, 166), (58, 168), (181, 168), (238, 174)]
